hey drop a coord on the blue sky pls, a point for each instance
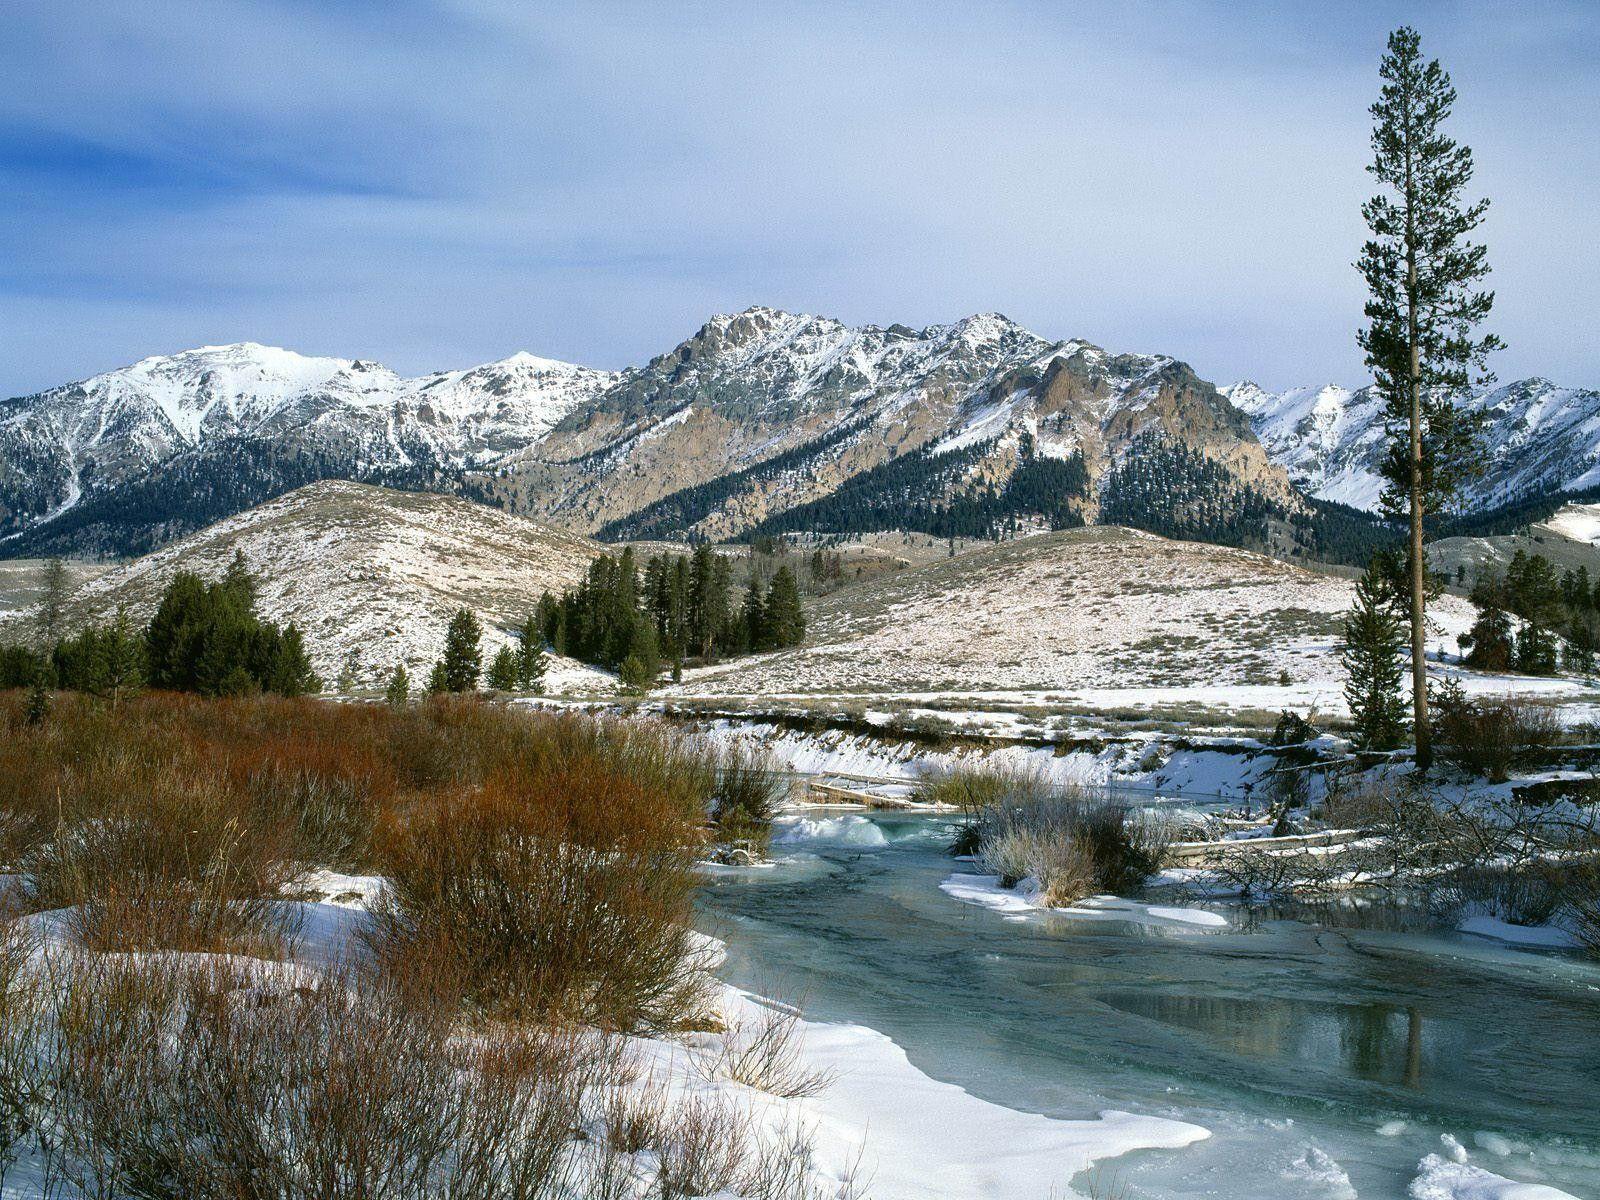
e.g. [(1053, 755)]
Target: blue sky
[(435, 183)]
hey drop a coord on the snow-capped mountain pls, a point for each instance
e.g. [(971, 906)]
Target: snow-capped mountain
[(1539, 438), (87, 449), (758, 414), (765, 412)]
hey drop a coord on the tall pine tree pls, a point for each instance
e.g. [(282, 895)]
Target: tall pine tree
[(1422, 310)]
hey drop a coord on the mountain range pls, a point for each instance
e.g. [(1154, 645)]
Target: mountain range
[(761, 422), (1539, 439)]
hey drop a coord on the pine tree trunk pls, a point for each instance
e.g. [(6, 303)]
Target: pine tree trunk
[(1419, 666)]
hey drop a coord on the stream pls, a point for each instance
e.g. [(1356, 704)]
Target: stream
[(1328, 1051)]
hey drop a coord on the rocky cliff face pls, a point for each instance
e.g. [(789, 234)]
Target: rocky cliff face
[(757, 414)]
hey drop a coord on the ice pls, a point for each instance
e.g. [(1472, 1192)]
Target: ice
[(850, 830), (1441, 1178)]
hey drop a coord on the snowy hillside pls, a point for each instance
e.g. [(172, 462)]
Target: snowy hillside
[(1540, 438), (371, 576), (1103, 609)]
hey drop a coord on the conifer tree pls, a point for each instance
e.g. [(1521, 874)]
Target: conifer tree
[(785, 619), (1578, 657), (642, 663), (438, 682), (1371, 652), (753, 618), (531, 661), (504, 671), (1536, 650), (462, 661), (398, 690), (51, 609), (1422, 310)]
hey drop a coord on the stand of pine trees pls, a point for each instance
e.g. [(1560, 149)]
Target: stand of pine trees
[(678, 607), (1548, 604), (204, 637)]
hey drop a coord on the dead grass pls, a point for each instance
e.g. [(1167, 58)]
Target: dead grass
[(765, 1053)]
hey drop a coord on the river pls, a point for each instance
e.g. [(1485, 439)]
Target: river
[(1327, 1051)]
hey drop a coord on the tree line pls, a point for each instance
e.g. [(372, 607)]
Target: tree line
[(678, 607), (204, 637)]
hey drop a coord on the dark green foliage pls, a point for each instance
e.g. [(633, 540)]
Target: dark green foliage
[(1546, 602), (783, 621), (398, 690), (680, 608), (107, 661), (531, 662), (503, 674), (462, 662), (38, 705), (1536, 650), (1578, 656), (642, 663), (1166, 488), (927, 492), (1373, 652), (207, 638), (1421, 273), (1489, 643), (20, 666)]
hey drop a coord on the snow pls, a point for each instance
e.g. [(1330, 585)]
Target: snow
[(1544, 936), (909, 1136), (917, 1138), (1101, 616), (372, 577), (1025, 899), (1580, 522), (852, 830), (1443, 1178), (1330, 439)]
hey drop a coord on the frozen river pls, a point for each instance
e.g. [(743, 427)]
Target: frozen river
[(1328, 1053)]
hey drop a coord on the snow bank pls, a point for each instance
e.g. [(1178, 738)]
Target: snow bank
[(1442, 1178), (1025, 898), (919, 1139)]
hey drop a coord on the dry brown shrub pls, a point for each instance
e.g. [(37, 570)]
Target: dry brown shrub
[(563, 887), (765, 1052)]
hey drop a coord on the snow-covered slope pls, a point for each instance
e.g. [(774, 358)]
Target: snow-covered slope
[(370, 575), (65, 448), (1101, 609), (1540, 438)]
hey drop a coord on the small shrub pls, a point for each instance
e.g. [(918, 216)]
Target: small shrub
[(1487, 737), (562, 887), (1073, 844), (1526, 894), (165, 1079), (170, 865), (744, 801), (766, 1054), (1580, 890)]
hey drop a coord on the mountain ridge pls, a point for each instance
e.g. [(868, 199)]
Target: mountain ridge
[(128, 459)]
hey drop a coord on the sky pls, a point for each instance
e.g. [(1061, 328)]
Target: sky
[(439, 183)]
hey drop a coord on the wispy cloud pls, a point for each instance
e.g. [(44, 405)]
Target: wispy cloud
[(437, 183)]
